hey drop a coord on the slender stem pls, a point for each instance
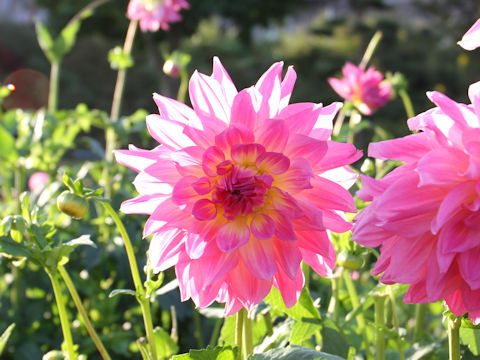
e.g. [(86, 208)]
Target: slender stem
[(372, 45), (81, 13), (198, 327), (334, 305), (268, 322), (407, 103), (352, 292), (355, 118), (395, 322), (239, 333), (338, 123), (420, 312), (182, 89), (53, 89), (454, 323), (174, 330), (247, 335), (78, 303), (379, 301), (143, 301), (62, 313), (216, 332)]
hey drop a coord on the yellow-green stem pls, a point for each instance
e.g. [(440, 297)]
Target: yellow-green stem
[(182, 89), (143, 301), (198, 327), (334, 305), (407, 103), (53, 88), (420, 312), (239, 333), (379, 303), (338, 123), (62, 313), (395, 323), (454, 323), (81, 310), (355, 119), (372, 45), (247, 335)]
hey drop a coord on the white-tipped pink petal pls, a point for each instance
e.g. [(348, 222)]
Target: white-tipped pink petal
[(233, 234), (168, 132), (221, 75), (471, 39)]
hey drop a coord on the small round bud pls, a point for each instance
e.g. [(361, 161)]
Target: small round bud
[(53, 355), (171, 68), (349, 261), (72, 204)]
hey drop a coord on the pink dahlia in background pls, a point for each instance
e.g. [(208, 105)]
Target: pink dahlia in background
[(155, 14), (425, 214), (471, 39), (242, 188), (366, 89), (37, 181)]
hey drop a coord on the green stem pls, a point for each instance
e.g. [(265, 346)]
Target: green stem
[(379, 301), (454, 323), (53, 89), (407, 103), (395, 323), (338, 123), (62, 313), (182, 89), (247, 335), (198, 327), (355, 118), (215, 332), (420, 312), (372, 45), (239, 333), (334, 305), (268, 322), (78, 303), (143, 301), (352, 293)]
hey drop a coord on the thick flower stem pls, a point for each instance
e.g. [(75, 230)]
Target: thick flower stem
[(420, 312), (395, 322), (379, 304), (372, 45), (239, 333), (407, 103), (454, 323), (143, 301), (247, 335), (81, 310), (53, 88), (62, 313)]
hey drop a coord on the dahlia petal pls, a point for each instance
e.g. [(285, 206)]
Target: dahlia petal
[(169, 213), (289, 289), (285, 204), (416, 293), (233, 234), (222, 76), (207, 97), (143, 204), (300, 118), (385, 255), (335, 221), (168, 132), (273, 163), (262, 226), (471, 298), (139, 159), (329, 195), (244, 109), (315, 241), (296, 178), (443, 166), (365, 230), (202, 185), (468, 262), (283, 226), (343, 176), (177, 111), (322, 130), (340, 87), (273, 135), (215, 267), (183, 192), (338, 154), (287, 257), (269, 87), (471, 39), (258, 257), (455, 237), (197, 246), (459, 113), (160, 172), (211, 158), (246, 154), (165, 248), (235, 134), (302, 146), (204, 209), (318, 263), (408, 148), (287, 87), (313, 217)]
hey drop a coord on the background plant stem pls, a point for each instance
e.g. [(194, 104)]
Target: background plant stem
[(420, 312), (247, 335), (53, 88), (239, 333), (407, 103), (454, 337), (379, 301)]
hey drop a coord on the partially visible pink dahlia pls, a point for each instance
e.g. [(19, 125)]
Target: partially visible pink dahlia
[(243, 188), (155, 14), (471, 39), (366, 89), (425, 214)]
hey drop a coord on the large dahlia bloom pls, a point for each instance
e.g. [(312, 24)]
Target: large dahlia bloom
[(242, 188), (471, 39), (366, 89), (425, 214), (155, 14)]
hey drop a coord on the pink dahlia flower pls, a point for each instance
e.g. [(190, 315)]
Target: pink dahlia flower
[(242, 188), (38, 181), (366, 89), (425, 214), (471, 39), (155, 14)]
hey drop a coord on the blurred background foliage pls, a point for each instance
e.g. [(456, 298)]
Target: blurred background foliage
[(315, 36)]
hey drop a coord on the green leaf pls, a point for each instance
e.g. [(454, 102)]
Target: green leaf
[(45, 41), (13, 248), (165, 345), (64, 43), (122, 291), (7, 145), (333, 341), (118, 59), (303, 330), (4, 338), (294, 353), (6, 225), (471, 338), (304, 309), (210, 353)]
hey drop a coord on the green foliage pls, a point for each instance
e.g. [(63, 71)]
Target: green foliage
[(56, 49), (5, 336), (119, 60), (210, 353), (294, 353)]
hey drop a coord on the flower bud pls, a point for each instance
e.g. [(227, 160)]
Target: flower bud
[(72, 204), (53, 355), (349, 261), (171, 68)]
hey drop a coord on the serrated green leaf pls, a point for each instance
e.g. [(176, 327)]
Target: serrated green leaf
[(13, 248), (471, 338), (303, 309), (5, 336), (210, 353), (122, 291), (302, 331), (294, 352)]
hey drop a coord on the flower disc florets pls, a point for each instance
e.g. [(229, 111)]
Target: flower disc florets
[(242, 189)]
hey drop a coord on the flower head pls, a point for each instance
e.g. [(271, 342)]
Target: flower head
[(243, 188), (471, 39), (38, 181), (155, 14), (366, 89), (425, 214)]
